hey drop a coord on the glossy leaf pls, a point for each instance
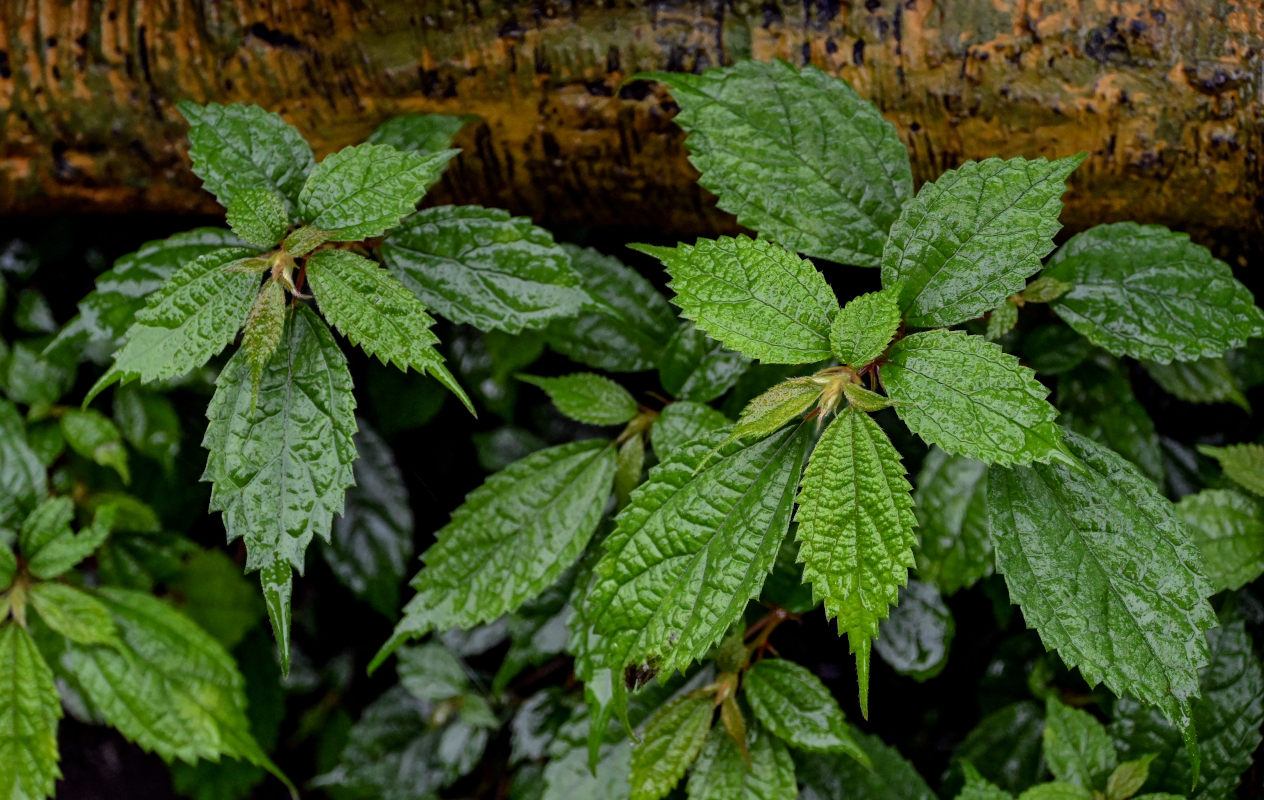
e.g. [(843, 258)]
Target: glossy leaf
[(672, 739), (776, 407), (425, 132), (29, 711), (950, 503), (864, 327), (722, 773), (587, 397), (23, 480), (1207, 380), (1006, 746), (680, 423), (694, 367), (915, 639), (1097, 401), (258, 215), (73, 613), (49, 545), (837, 777), (237, 147), (795, 706), (1077, 748), (1242, 463), (1128, 777), (94, 436), (1228, 528)]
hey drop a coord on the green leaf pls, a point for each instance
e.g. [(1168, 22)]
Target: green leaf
[(429, 133), (1006, 746), (950, 503), (482, 267), (238, 147), (672, 739), (629, 466), (265, 325), (1128, 777), (1045, 289), (33, 313), (186, 322), (73, 613), (694, 367), (1228, 528), (49, 545), (8, 567), (1150, 293), (1208, 380), (29, 710), (365, 190), (971, 398), (795, 706), (795, 154), (258, 215), (630, 323), (23, 480), (915, 639), (1242, 463), (279, 466), (973, 237), (30, 377), (1106, 572), (217, 597), (835, 777), (1077, 748), (1097, 401), (691, 549), (587, 397), (753, 296), (1057, 791), (721, 772), (1001, 320), (92, 435), (375, 311), (864, 327), (978, 787), (680, 423), (149, 422), (855, 530), (774, 408), (513, 537), (432, 672)]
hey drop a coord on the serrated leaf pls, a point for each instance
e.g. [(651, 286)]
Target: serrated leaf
[(1128, 777), (265, 324), (482, 267), (978, 787), (694, 367), (855, 529), (1001, 321), (629, 466), (722, 772), (1228, 528), (751, 295), (258, 215), (795, 154), (73, 613), (587, 397), (915, 639), (950, 503), (1097, 401), (186, 322), (774, 408), (834, 777), (1106, 572), (1077, 748), (279, 465), (29, 711), (973, 237), (365, 190), (971, 398), (1150, 293), (376, 312), (691, 549), (630, 324), (672, 739), (680, 423), (49, 545), (1058, 790), (795, 706), (1242, 463), (94, 436), (237, 147), (512, 538), (424, 132), (1208, 380), (864, 327), (23, 480)]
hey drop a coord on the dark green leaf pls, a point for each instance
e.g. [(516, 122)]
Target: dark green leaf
[(837, 777), (1077, 748), (425, 132), (1208, 380), (1006, 746), (721, 772), (1229, 530), (217, 597), (258, 215), (950, 503), (92, 435), (149, 422), (915, 639), (693, 367), (23, 481), (672, 739), (682, 422), (236, 147), (1097, 401)]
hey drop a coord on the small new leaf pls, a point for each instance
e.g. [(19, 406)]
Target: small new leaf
[(760, 768), (864, 327), (774, 408), (29, 710), (264, 326), (258, 215), (1045, 289), (587, 397), (670, 743), (1128, 778), (1242, 463), (73, 613), (797, 708)]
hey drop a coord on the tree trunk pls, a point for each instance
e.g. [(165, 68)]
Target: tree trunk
[(1165, 95)]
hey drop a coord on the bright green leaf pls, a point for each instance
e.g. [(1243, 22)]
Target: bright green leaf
[(950, 503), (73, 613), (1077, 748), (49, 545), (795, 706), (1045, 289), (1242, 463), (864, 327), (1058, 790), (1228, 528), (237, 147), (774, 408), (672, 739), (1128, 777), (29, 710), (587, 397), (258, 215), (92, 435), (8, 567), (721, 772)]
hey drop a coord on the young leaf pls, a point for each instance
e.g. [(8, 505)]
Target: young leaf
[(723, 773), (29, 710), (795, 706), (776, 407), (375, 311), (1150, 293), (629, 466), (265, 325), (795, 154), (258, 215), (831, 777), (680, 423), (279, 465), (365, 190), (49, 545), (671, 741), (186, 322), (482, 267), (1077, 748), (971, 398), (1242, 463), (1128, 777), (950, 503), (855, 530), (587, 397), (1097, 401), (864, 327), (73, 613), (1106, 572), (238, 147), (430, 133), (92, 435), (1208, 380), (753, 296), (914, 640), (1229, 530), (694, 367), (514, 536), (692, 548), (1001, 321), (973, 237)]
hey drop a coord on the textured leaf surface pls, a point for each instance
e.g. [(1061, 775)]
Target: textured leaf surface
[(978, 787), (864, 327), (587, 397), (1129, 777), (1228, 528), (915, 639), (1242, 463), (1078, 750), (265, 325), (23, 480), (1097, 401), (694, 367), (671, 741), (425, 132), (29, 710), (1001, 320), (1207, 380), (1006, 746), (258, 215), (837, 777), (796, 155), (94, 436), (682, 422), (692, 548), (236, 147), (972, 237), (721, 773), (512, 538), (795, 706), (971, 398), (73, 613), (950, 503), (374, 310), (776, 407), (1106, 572), (279, 465), (48, 543), (365, 190), (753, 296), (485, 268), (1148, 292)]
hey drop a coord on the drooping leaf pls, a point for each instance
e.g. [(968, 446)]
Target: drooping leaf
[(776, 407), (694, 367), (1106, 572), (1207, 380), (682, 422), (973, 237), (722, 773), (672, 739), (429, 133), (587, 397), (971, 398), (1242, 463), (855, 529), (94, 436), (1097, 401), (753, 296), (1148, 292), (29, 711), (864, 327), (73, 613), (950, 503), (365, 190), (795, 154), (915, 639), (795, 706), (279, 464), (837, 777), (258, 215), (482, 267), (1228, 528), (1077, 748)]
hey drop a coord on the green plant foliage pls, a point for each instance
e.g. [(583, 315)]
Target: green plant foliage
[(916, 637), (793, 705), (28, 719), (1078, 750), (1207, 380), (950, 503), (721, 772), (1228, 528), (587, 397), (1242, 463), (258, 215), (693, 367), (864, 327), (1097, 401), (776, 407), (672, 740)]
